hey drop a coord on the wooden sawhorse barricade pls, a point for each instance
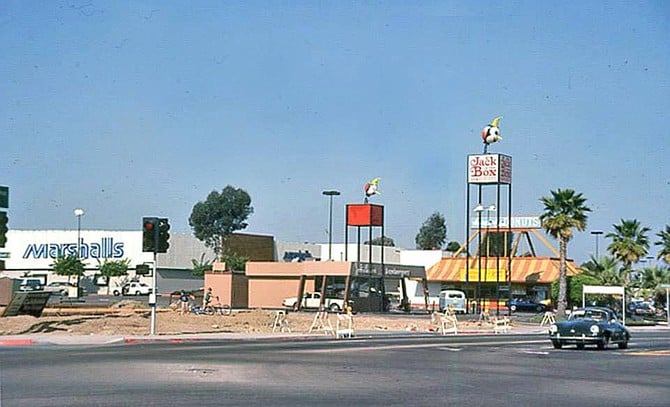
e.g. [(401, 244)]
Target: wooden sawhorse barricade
[(446, 323), (322, 322), (280, 322)]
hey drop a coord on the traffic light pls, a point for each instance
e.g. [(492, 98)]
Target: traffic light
[(163, 235), (3, 228), (149, 231)]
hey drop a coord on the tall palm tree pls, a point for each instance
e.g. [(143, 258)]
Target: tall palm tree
[(664, 242), (629, 242), (564, 211)]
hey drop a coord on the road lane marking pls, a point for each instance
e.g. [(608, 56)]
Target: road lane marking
[(662, 352), (412, 346)]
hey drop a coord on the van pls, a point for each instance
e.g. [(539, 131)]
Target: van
[(31, 284), (455, 299)]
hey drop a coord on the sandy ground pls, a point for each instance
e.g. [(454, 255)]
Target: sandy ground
[(131, 318)]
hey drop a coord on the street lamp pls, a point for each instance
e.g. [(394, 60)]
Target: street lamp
[(78, 213), (597, 233), (479, 209), (330, 193)]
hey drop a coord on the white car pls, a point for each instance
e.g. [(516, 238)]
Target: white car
[(59, 287), (133, 288)]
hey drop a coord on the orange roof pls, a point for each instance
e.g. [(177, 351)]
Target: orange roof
[(524, 269)]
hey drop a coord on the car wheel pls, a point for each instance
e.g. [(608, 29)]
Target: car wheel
[(580, 346), (602, 345), (557, 344), (116, 293), (334, 308), (623, 345), (512, 308)]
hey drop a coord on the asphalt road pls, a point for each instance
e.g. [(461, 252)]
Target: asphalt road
[(468, 371)]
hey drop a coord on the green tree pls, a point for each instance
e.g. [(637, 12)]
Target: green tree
[(664, 242), (575, 288), (453, 246), (234, 262), (433, 233), (629, 242), (651, 280), (113, 268), (564, 211), (605, 269), (68, 266), (219, 216), (201, 266), (377, 241), (496, 244)]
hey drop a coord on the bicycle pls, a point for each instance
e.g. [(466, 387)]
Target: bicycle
[(221, 309)]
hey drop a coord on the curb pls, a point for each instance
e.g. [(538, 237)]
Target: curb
[(17, 342)]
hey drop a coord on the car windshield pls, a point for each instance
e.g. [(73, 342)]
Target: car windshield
[(589, 314)]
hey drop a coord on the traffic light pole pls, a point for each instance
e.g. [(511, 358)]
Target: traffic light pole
[(152, 298)]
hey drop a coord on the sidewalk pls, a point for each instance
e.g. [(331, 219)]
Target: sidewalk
[(99, 340)]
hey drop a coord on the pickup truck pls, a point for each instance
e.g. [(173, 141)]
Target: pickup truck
[(313, 300)]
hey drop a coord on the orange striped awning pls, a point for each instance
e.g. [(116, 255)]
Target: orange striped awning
[(543, 270)]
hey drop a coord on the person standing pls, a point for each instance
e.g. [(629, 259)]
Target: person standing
[(207, 299), (184, 298)]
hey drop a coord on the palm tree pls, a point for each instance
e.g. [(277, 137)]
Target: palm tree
[(664, 242), (606, 269), (629, 242), (564, 211)]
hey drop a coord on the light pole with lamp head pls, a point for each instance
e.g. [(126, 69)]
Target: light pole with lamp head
[(489, 209), (330, 193), (78, 213), (597, 234), (478, 210)]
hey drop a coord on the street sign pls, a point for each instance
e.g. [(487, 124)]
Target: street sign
[(4, 255)]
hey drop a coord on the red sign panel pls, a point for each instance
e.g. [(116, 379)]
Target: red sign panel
[(365, 215)]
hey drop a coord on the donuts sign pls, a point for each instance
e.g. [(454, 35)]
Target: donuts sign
[(489, 169)]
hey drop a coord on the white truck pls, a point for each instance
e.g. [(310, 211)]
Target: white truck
[(313, 300), (415, 295)]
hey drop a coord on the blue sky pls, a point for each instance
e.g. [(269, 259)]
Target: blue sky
[(138, 108)]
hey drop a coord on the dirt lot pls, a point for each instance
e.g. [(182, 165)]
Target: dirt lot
[(131, 318)]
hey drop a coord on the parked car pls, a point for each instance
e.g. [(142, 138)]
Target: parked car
[(641, 308), (31, 284), (132, 288), (525, 304), (313, 300), (454, 299), (588, 326), (60, 287)]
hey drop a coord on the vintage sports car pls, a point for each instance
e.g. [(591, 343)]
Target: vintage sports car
[(589, 326)]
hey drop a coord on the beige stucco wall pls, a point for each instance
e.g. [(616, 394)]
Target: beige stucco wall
[(269, 292), (308, 268)]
